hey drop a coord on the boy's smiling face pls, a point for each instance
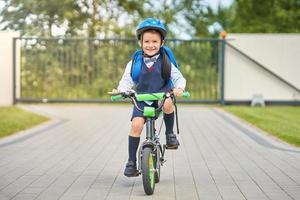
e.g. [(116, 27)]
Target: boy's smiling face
[(151, 42)]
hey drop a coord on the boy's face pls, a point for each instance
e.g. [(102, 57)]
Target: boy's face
[(151, 42)]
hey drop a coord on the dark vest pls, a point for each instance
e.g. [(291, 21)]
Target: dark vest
[(151, 80)]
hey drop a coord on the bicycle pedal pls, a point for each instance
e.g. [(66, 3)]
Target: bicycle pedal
[(162, 161), (171, 147), (133, 175), (138, 173)]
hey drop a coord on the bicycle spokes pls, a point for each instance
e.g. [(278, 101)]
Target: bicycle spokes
[(151, 170)]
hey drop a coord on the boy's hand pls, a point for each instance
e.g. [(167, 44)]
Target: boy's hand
[(178, 92), (114, 91)]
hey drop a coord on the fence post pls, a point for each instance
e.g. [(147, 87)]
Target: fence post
[(221, 69)]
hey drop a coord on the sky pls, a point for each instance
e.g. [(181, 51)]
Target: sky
[(214, 3)]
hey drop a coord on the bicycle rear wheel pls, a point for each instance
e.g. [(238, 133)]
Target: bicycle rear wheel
[(148, 170)]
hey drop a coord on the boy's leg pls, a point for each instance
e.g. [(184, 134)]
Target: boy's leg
[(134, 137), (133, 142), (169, 123)]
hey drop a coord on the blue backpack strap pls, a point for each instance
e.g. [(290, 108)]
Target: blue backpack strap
[(137, 59), (173, 61), (171, 56)]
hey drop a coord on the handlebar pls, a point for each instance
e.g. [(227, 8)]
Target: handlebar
[(134, 97)]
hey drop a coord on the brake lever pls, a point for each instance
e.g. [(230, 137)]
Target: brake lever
[(168, 95), (130, 93)]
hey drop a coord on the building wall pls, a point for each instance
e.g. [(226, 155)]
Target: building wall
[(6, 67), (279, 53)]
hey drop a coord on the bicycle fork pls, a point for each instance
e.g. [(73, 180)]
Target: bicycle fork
[(152, 141)]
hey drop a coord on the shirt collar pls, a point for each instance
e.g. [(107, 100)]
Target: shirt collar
[(151, 60)]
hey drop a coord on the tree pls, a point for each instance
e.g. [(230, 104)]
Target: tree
[(193, 13), (273, 16), (35, 16), (82, 17), (207, 21), (219, 20)]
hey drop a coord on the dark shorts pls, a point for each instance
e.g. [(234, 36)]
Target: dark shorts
[(141, 104)]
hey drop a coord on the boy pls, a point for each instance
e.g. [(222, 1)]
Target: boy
[(151, 34)]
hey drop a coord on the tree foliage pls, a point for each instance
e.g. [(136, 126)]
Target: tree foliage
[(272, 16), (89, 18), (118, 18), (33, 17)]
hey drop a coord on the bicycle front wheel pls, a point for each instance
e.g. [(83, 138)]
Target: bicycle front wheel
[(157, 166), (148, 170)]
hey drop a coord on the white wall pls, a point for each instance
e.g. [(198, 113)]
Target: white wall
[(6, 67), (279, 53)]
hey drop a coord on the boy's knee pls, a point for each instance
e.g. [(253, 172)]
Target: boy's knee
[(137, 126), (168, 106)]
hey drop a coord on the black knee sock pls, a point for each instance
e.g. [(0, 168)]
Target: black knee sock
[(132, 147), (169, 122)]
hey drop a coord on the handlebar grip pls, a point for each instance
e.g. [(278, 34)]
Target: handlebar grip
[(186, 95), (116, 97)]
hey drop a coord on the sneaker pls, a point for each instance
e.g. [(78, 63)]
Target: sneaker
[(172, 141), (130, 170)]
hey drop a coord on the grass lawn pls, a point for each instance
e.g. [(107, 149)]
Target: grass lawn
[(280, 121), (13, 119)]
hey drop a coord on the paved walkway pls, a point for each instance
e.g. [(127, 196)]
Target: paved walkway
[(81, 155)]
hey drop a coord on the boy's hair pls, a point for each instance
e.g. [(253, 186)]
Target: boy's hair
[(151, 31)]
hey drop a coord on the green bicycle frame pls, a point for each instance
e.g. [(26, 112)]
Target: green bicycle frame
[(152, 139)]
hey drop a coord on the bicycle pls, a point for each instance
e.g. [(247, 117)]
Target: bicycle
[(151, 152)]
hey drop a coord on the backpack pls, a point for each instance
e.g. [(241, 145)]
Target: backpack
[(167, 59)]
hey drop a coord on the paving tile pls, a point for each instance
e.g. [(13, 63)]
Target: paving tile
[(82, 152)]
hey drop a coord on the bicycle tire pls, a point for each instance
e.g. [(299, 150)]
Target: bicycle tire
[(157, 171), (148, 170)]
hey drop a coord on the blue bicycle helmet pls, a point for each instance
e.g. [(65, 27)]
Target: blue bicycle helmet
[(153, 24)]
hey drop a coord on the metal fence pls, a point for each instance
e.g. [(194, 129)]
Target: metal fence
[(86, 69)]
